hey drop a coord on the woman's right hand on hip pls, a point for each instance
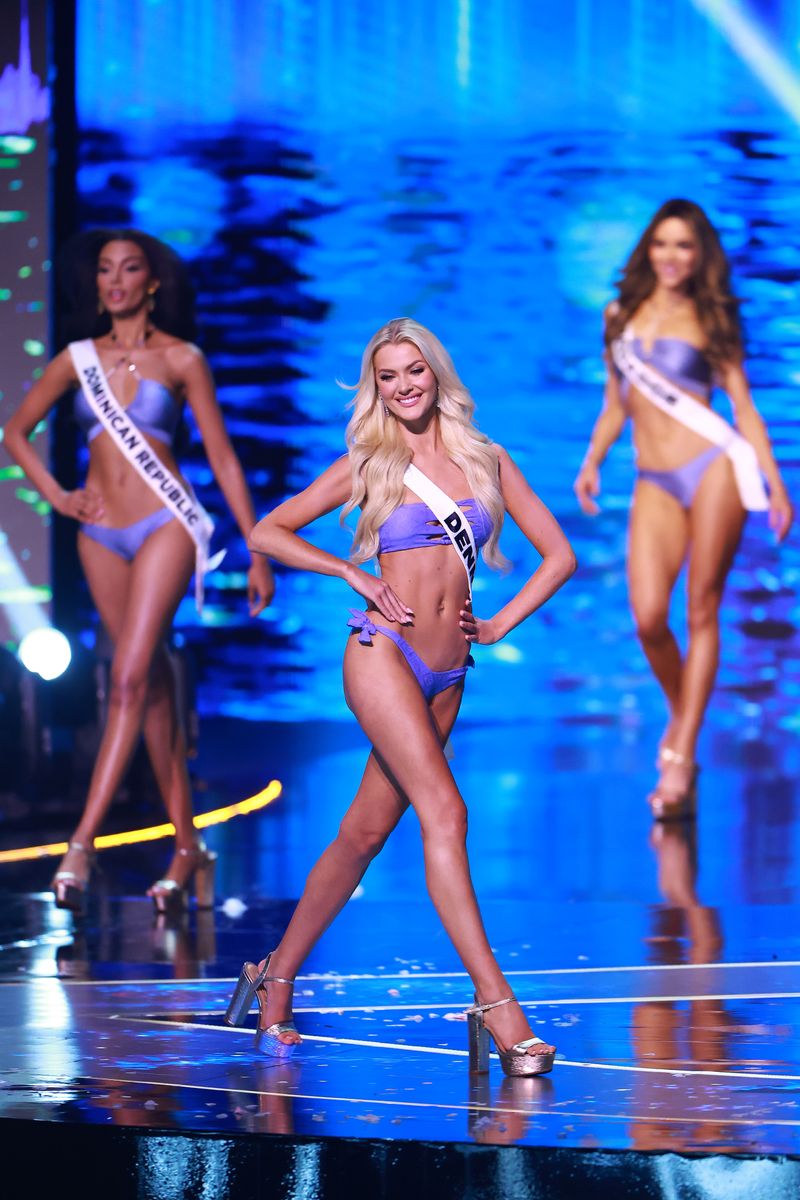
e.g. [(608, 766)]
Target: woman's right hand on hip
[(84, 504), (380, 595)]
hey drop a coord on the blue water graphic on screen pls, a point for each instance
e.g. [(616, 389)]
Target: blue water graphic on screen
[(484, 169)]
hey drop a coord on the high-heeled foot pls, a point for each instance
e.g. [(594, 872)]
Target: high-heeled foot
[(672, 803), (250, 985), (69, 886), (514, 1061), (171, 896)]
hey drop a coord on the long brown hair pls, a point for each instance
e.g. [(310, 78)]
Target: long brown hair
[(716, 306)]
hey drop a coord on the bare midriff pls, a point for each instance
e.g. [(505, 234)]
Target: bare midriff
[(662, 443), (432, 582), (126, 497)]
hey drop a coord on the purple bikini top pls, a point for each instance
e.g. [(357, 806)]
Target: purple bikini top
[(154, 409), (413, 525), (679, 361)]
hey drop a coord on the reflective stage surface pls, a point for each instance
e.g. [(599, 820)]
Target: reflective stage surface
[(663, 962), (652, 1058)]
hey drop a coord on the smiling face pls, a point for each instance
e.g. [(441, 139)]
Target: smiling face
[(405, 381), (124, 278), (674, 253)]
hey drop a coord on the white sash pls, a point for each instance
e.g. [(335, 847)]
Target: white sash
[(115, 419), (448, 513), (671, 399)]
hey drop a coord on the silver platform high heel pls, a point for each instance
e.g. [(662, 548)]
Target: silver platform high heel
[(515, 1061), (69, 887), (171, 897), (249, 986)]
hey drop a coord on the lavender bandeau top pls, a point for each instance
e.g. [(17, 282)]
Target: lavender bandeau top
[(154, 409), (412, 526), (678, 361)]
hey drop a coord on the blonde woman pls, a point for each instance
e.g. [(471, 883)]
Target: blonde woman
[(406, 658)]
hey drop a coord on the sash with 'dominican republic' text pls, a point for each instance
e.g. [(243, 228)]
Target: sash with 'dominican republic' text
[(121, 428)]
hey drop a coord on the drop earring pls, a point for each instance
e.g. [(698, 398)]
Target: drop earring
[(151, 298), (101, 308)]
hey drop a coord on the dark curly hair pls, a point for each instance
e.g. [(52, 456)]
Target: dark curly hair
[(173, 311), (710, 288)]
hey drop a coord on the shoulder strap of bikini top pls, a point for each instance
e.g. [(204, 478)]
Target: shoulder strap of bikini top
[(449, 515)]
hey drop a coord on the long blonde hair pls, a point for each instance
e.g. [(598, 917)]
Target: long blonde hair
[(379, 455)]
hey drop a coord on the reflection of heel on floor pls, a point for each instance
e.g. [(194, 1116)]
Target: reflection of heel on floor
[(504, 1119), (72, 961)]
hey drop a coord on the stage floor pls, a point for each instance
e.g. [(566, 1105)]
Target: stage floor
[(672, 993), (687, 1057)]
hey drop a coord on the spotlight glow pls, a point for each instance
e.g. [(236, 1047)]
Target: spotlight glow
[(45, 651), (753, 47)]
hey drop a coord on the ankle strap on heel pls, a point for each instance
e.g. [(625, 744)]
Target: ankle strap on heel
[(482, 1008), (263, 977), (666, 755)]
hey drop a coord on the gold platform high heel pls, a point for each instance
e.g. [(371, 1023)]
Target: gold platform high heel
[(70, 887), (250, 985), (171, 897), (515, 1061), (674, 804)]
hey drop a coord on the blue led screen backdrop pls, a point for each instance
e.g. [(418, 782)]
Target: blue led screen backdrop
[(484, 168), (24, 305)]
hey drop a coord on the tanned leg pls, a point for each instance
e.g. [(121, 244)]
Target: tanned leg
[(152, 587), (374, 813), (658, 540), (391, 710), (108, 576), (716, 519), (407, 765)]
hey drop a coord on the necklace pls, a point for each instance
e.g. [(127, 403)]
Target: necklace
[(125, 357)]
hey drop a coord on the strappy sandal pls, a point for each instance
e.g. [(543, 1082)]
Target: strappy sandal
[(169, 896), (250, 986), (70, 887), (514, 1061), (674, 804)]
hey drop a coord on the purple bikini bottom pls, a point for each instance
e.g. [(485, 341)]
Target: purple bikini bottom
[(683, 482), (125, 540), (430, 682)]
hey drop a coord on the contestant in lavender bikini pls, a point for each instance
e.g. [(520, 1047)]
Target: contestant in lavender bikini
[(412, 446), (142, 532), (671, 336)]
